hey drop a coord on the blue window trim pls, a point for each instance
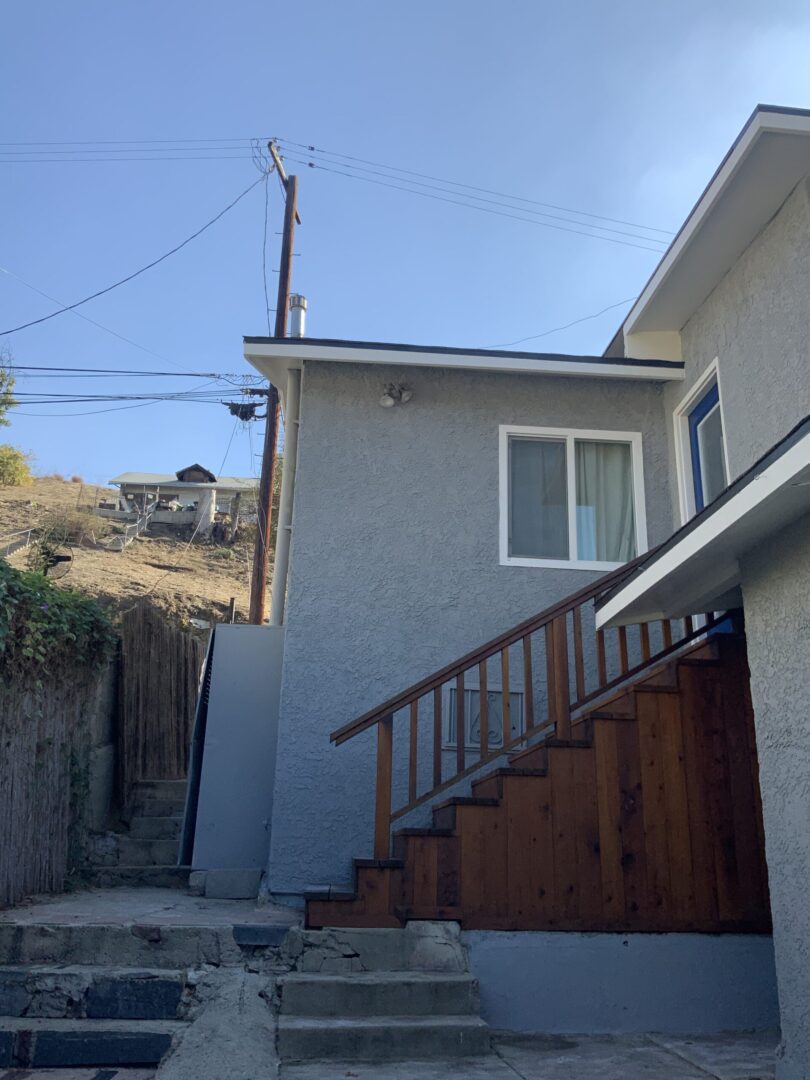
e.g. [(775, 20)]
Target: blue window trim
[(698, 414)]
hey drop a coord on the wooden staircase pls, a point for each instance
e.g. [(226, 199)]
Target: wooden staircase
[(646, 817)]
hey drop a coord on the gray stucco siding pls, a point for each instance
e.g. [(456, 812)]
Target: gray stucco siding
[(757, 323), (776, 593), (395, 567)]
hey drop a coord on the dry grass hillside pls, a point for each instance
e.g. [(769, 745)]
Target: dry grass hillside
[(185, 582)]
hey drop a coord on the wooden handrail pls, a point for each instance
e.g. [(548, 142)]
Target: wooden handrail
[(484, 652)]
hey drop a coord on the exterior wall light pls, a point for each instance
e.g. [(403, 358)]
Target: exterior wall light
[(395, 394)]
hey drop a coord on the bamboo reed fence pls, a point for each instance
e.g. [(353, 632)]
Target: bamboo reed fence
[(45, 744)]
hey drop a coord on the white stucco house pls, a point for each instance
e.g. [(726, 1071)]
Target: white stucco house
[(516, 602)]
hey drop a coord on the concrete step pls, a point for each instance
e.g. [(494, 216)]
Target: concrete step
[(378, 994), (52, 1044), (155, 806), (162, 789), (381, 1038), (419, 946), (101, 993), (137, 851), (137, 945), (156, 828), (162, 877)]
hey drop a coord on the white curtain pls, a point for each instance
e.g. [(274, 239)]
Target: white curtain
[(606, 528), (538, 503)]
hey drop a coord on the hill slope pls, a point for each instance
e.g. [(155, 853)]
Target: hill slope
[(186, 582)]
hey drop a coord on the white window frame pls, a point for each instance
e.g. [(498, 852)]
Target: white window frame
[(683, 445), (570, 435)]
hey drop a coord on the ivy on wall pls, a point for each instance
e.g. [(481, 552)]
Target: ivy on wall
[(46, 631)]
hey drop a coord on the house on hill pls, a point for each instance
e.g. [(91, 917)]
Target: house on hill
[(191, 496), (540, 657)]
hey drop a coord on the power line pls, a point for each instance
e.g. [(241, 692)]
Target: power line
[(472, 187), (498, 202), (556, 329), (483, 209), (143, 269), (127, 371)]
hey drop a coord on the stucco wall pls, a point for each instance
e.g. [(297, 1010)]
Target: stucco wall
[(757, 323), (776, 593), (395, 567), (619, 983)]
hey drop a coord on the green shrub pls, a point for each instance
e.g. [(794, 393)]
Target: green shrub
[(46, 631), (15, 467)]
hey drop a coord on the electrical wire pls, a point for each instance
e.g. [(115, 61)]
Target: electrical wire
[(557, 329), (136, 273), (79, 372), (81, 315), (472, 187), (482, 209), (498, 202)]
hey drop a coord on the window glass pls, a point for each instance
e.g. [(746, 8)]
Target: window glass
[(606, 528), (712, 458), (538, 501)]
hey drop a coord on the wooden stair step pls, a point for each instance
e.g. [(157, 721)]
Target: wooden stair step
[(444, 815), (494, 781)]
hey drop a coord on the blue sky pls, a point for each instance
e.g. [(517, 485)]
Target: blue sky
[(621, 110)]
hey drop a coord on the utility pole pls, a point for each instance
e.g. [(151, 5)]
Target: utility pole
[(258, 583)]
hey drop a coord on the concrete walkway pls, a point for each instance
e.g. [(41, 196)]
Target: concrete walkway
[(574, 1057), (125, 905)]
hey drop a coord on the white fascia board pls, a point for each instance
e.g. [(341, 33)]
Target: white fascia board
[(764, 121), (780, 474), (273, 359)]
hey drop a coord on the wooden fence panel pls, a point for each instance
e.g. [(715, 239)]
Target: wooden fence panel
[(158, 688)]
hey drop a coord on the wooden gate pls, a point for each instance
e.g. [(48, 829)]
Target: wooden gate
[(158, 688)]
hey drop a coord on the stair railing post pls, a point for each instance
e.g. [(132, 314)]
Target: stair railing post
[(382, 810), (559, 690)]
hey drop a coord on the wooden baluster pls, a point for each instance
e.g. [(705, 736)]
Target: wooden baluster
[(579, 664), (382, 809), (437, 737), (645, 641), (688, 626), (461, 756), (623, 663), (483, 710), (506, 704), (528, 687), (666, 631), (412, 762), (559, 694), (601, 662)]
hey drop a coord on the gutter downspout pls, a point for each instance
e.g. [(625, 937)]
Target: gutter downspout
[(278, 594)]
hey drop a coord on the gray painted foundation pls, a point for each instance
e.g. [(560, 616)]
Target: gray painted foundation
[(236, 786), (556, 983)]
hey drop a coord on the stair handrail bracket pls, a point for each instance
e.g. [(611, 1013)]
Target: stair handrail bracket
[(582, 664)]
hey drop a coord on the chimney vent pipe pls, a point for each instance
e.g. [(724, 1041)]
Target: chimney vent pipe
[(298, 315)]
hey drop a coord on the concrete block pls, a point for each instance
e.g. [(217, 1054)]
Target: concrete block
[(260, 935), (381, 1038), (57, 1049), (135, 996), (421, 946), (232, 884), (196, 882), (6, 1049)]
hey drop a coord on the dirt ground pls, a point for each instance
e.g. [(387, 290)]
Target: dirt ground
[(185, 582)]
